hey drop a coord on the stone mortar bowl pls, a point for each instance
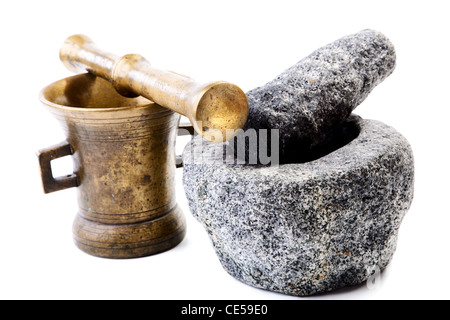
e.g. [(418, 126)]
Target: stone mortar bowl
[(305, 228)]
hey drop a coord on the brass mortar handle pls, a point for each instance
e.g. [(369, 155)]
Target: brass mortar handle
[(184, 129), (45, 156), (215, 109)]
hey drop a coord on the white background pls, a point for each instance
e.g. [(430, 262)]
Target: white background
[(244, 42)]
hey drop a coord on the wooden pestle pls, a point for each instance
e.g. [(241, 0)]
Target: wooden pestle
[(215, 109)]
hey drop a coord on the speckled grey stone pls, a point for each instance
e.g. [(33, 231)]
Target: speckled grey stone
[(305, 228), (308, 100)]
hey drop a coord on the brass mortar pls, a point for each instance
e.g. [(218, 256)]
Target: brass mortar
[(124, 167)]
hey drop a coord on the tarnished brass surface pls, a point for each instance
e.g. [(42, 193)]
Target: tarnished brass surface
[(124, 167), (212, 108)]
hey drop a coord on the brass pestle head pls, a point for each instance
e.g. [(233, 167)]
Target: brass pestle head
[(216, 110)]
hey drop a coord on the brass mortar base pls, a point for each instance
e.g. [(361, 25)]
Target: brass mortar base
[(130, 240)]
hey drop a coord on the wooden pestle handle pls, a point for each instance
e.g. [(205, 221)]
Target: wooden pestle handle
[(215, 109)]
